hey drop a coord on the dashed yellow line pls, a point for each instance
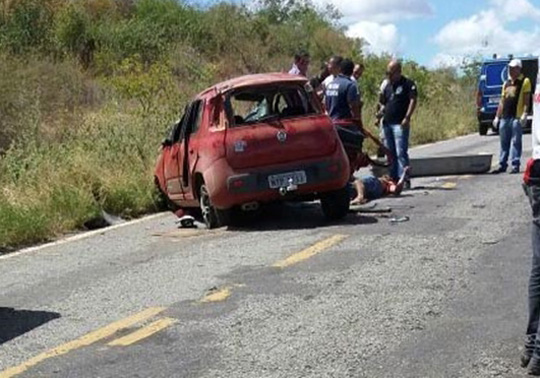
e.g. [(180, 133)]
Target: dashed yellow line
[(143, 333), (449, 185), (218, 295), (310, 251), (83, 341)]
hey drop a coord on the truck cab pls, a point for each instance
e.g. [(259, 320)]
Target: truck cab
[(493, 74)]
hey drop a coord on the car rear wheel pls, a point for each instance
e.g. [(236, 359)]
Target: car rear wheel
[(212, 217), (335, 205), (482, 129)]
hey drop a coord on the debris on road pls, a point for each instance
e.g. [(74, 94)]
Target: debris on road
[(187, 221), (370, 209), (103, 220), (395, 220)]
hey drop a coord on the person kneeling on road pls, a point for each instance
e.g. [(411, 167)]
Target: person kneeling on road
[(369, 188)]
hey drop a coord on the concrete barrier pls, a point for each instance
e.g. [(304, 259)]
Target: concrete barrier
[(445, 165)]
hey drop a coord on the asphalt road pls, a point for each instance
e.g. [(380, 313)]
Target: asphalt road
[(440, 295)]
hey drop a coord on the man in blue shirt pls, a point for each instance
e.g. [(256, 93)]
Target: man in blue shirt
[(342, 96)]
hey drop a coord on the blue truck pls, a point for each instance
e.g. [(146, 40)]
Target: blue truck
[(493, 74)]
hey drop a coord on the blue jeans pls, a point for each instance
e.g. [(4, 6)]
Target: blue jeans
[(397, 141), (510, 134), (532, 343)]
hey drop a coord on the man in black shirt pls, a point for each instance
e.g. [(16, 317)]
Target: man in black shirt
[(399, 100)]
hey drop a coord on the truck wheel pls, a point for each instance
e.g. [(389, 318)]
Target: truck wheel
[(482, 129), (212, 217), (335, 205)]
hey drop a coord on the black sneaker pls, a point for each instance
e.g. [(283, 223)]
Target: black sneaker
[(514, 170), (534, 367), (498, 170), (407, 185), (526, 358)]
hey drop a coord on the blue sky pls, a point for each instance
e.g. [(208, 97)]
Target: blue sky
[(443, 32)]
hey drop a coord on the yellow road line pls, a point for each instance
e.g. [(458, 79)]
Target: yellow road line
[(310, 251), (449, 185), (143, 333), (83, 341), (217, 296)]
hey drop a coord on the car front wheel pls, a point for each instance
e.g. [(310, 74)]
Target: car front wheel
[(335, 205)]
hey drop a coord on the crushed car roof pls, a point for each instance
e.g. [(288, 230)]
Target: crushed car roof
[(254, 80)]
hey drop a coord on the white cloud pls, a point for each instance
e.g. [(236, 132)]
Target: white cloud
[(374, 20), (381, 38), (488, 32), (380, 11)]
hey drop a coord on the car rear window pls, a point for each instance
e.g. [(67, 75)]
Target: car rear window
[(255, 105)]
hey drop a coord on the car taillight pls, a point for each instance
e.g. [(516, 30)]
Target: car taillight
[(333, 168), (238, 183), (479, 99)]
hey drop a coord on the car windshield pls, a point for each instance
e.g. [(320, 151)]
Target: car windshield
[(255, 105)]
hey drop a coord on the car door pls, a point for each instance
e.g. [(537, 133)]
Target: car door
[(189, 149), (172, 159)]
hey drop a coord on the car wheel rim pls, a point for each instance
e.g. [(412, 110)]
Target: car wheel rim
[(205, 205)]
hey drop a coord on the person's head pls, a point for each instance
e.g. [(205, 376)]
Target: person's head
[(514, 68), (358, 71), (393, 71), (334, 65), (347, 67), (301, 59), (324, 72)]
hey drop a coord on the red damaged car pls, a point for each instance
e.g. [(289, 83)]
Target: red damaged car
[(253, 140)]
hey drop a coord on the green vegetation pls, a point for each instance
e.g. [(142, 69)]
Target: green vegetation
[(89, 87)]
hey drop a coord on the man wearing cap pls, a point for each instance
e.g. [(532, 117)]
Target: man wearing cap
[(512, 113)]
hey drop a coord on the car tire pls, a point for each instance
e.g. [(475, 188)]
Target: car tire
[(482, 129), (212, 217), (335, 205)]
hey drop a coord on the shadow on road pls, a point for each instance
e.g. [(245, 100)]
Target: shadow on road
[(294, 216), (14, 323)]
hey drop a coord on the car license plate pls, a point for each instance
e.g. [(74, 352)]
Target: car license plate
[(285, 179), (494, 100)]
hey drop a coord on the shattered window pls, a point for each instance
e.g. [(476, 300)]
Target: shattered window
[(255, 105)]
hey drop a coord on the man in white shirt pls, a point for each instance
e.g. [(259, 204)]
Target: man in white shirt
[(531, 178), (301, 64), (334, 65)]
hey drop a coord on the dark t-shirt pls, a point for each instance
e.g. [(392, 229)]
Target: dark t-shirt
[(396, 98), (339, 93), (512, 91)]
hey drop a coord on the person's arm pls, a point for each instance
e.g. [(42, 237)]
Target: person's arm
[(499, 107), (526, 99), (412, 106), (353, 97)]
